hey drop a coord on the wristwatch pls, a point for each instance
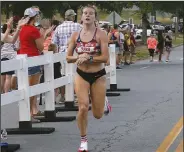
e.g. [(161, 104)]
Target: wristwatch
[(91, 59)]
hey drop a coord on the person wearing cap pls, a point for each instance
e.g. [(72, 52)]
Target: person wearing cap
[(31, 43), (62, 35), (38, 17), (64, 31)]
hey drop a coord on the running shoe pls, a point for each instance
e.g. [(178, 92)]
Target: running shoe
[(83, 147), (108, 107)]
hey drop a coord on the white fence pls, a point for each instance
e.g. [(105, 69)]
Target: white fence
[(21, 65)]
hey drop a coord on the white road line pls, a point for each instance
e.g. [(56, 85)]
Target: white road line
[(145, 67)]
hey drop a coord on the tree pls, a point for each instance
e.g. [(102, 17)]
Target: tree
[(18, 7), (144, 9)]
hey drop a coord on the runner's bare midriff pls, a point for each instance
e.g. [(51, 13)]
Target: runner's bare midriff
[(91, 67)]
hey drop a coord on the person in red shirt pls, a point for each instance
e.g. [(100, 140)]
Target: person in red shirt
[(152, 44), (31, 43)]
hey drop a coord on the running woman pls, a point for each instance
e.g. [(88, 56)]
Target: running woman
[(91, 45)]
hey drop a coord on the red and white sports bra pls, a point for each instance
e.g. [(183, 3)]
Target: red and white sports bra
[(91, 47)]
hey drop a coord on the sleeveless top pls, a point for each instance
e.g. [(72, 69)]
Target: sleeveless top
[(113, 37), (91, 47)]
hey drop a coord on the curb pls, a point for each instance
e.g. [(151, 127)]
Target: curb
[(178, 45)]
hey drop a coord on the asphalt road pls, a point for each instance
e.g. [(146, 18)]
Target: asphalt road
[(140, 119)]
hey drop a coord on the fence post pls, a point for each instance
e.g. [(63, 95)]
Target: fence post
[(23, 84), (112, 53), (112, 56), (50, 112), (113, 76), (69, 89), (25, 124), (49, 77)]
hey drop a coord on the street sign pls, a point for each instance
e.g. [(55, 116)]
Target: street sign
[(175, 19), (114, 18)]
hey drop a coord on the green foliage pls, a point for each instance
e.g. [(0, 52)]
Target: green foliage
[(49, 8)]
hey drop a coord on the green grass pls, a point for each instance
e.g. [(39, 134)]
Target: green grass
[(141, 53), (178, 41)]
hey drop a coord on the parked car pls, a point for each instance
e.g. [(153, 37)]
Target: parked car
[(101, 23), (157, 27), (138, 33)]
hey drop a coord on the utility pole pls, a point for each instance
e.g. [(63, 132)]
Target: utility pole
[(114, 18)]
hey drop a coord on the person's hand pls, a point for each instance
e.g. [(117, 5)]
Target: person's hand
[(10, 23), (81, 61), (23, 21), (49, 30), (42, 31), (84, 55)]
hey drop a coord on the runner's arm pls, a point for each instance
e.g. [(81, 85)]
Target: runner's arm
[(71, 45), (104, 49)]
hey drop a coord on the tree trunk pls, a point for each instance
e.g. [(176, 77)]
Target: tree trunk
[(154, 13), (144, 28), (7, 11)]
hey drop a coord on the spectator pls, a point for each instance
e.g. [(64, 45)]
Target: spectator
[(126, 44), (168, 44), (152, 44), (8, 52), (106, 28), (5, 38), (64, 31), (132, 46), (31, 43), (160, 45), (54, 24), (57, 68), (122, 39), (38, 17), (62, 35), (114, 38)]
